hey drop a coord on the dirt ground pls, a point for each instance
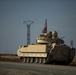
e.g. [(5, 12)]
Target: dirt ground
[(10, 68)]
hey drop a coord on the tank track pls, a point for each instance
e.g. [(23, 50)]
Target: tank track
[(40, 60)]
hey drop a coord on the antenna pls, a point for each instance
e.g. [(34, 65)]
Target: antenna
[(28, 23), (71, 43)]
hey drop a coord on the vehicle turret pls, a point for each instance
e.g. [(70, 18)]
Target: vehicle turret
[(50, 37)]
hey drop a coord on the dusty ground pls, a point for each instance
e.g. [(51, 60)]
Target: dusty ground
[(10, 68)]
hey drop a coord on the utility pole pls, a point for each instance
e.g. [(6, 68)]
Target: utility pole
[(28, 23)]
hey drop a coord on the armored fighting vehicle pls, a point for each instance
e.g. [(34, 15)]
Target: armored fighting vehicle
[(48, 49)]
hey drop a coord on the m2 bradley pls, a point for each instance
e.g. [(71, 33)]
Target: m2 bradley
[(49, 48)]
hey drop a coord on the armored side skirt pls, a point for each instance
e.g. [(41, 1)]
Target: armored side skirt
[(32, 54)]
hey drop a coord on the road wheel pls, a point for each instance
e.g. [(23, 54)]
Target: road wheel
[(27, 60), (36, 60), (43, 60), (40, 60), (31, 60), (23, 59)]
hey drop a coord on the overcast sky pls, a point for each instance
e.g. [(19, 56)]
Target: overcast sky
[(60, 14)]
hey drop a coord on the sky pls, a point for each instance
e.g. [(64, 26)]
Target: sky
[(60, 14)]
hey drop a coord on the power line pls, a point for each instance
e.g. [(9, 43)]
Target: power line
[(28, 23)]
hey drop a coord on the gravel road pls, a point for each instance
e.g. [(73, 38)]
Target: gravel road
[(9, 68)]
